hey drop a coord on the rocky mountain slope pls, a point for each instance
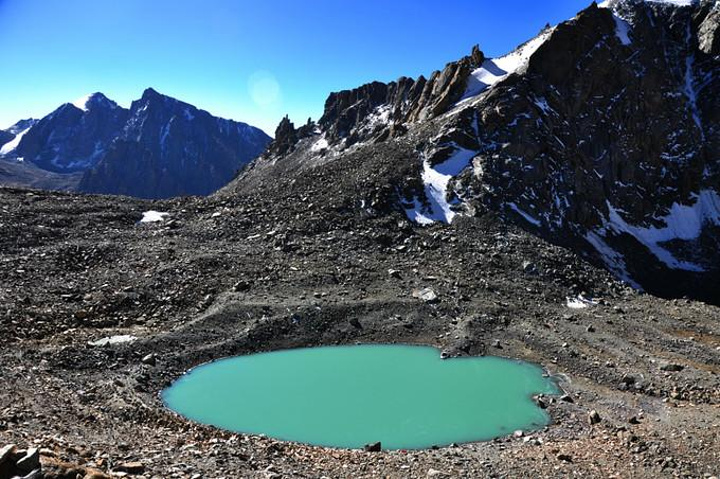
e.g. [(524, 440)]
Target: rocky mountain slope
[(74, 137), (601, 134), (10, 138), (159, 148)]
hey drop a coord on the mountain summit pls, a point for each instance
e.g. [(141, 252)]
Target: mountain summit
[(94, 100)]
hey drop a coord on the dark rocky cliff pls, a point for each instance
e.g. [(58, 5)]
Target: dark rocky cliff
[(610, 142), (601, 134)]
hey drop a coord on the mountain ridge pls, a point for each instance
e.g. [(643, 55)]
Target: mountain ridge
[(604, 138), (105, 142)]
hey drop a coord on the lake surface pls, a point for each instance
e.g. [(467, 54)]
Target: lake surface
[(347, 396)]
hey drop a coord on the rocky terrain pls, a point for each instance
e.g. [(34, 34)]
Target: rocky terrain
[(159, 148), (232, 276), (609, 147), (340, 231)]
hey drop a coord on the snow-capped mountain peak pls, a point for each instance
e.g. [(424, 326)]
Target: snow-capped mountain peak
[(87, 102), (82, 102)]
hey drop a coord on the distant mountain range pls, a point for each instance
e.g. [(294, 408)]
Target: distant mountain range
[(159, 148)]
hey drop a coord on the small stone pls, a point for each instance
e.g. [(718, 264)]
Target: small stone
[(134, 467), (91, 473), (393, 273), (519, 433), (373, 447), (541, 403), (529, 267), (149, 359), (30, 461), (672, 367), (564, 457), (426, 294), (434, 473), (590, 328), (567, 398), (634, 420), (497, 344), (241, 286), (594, 417)]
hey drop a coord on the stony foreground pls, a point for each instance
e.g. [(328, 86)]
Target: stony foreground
[(226, 276)]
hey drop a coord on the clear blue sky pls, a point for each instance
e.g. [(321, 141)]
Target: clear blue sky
[(251, 61)]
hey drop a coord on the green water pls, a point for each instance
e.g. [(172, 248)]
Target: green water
[(347, 396)]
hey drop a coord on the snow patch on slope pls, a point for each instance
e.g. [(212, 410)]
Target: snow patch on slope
[(579, 302), (495, 69), (689, 87), (153, 216), (530, 219), (622, 25), (8, 147), (436, 179), (676, 3), (82, 102), (682, 222), (614, 261), (320, 145), (113, 340), (622, 30)]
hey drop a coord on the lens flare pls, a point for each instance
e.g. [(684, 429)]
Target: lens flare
[(264, 89)]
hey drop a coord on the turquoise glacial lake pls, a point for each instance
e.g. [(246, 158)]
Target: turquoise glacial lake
[(347, 396)]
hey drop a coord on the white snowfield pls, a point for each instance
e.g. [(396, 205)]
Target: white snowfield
[(112, 340), (8, 147), (683, 222), (495, 69), (436, 179)]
